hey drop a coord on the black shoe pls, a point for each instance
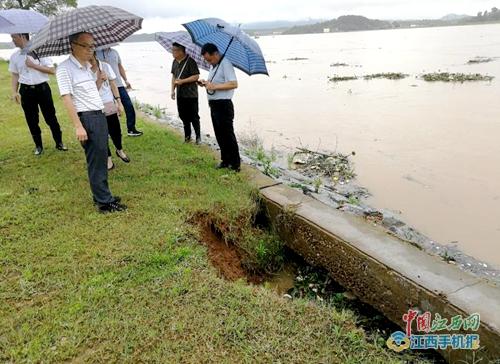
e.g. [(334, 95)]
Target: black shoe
[(222, 165), (235, 168), (198, 140), (134, 133), (38, 150), (126, 159), (62, 147), (111, 207), (187, 140)]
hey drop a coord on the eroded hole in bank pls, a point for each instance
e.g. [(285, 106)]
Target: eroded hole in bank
[(298, 279)]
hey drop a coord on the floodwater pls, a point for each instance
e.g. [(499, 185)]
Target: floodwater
[(430, 151)]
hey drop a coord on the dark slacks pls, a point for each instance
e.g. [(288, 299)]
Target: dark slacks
[(96, 153), (115, 131), (129, 108), (222, 113), (189, 114), (34, 99)]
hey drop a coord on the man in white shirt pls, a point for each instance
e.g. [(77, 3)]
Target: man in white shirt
[(85, 108), (30, 88), (220, 89)]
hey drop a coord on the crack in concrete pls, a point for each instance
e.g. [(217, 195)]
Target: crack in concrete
[(464, 287), (274, 185)]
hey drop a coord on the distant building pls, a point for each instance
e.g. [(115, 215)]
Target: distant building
[(326, 30)]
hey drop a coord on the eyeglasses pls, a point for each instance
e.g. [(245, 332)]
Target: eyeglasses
[(90, 47)]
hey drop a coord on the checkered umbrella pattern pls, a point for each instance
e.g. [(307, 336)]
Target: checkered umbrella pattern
[(106, 23), (183, 38), (243, 52)]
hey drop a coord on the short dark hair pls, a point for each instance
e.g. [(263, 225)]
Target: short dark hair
[(24, 35), (180, 46), (74, 37), (209, 48)]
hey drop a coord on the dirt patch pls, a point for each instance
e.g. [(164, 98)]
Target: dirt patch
[(224, 256)]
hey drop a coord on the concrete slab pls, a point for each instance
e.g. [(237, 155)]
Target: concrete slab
[(259, 179), (383, 271), (482, 298)]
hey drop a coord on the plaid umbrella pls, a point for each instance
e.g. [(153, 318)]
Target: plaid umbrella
[(243, 52), (106, 23), (23, 21), (183, 38)]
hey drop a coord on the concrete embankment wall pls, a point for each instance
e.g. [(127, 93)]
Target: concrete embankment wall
[(381, 270)]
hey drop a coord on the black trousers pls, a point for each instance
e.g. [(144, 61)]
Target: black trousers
[(96, 149), (222, 112), (33, 99), (189, 114), (115, 131)]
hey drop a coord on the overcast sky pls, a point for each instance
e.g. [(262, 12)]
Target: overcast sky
[(167, 15)]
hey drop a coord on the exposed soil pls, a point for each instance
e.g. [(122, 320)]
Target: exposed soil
[(224, 256), (297, 280)]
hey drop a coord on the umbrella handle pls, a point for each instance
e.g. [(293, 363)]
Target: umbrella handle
[(222, 58), (210, 92)]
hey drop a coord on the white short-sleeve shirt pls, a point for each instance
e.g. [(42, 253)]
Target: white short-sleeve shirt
[(27, 75), (105, 90), (78, 81), (224, 72)]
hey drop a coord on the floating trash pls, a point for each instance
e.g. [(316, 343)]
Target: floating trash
[(480, 60), (455, 77), (387, 76), (341, 78)]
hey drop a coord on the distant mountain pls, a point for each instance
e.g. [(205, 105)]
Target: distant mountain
[(454, 17), (350, 23), (268, 25), (347, 23)]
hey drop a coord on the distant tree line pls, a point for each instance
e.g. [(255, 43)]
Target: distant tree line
[(47, 7)]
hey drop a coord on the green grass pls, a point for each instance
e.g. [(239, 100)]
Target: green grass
[(133, 287)]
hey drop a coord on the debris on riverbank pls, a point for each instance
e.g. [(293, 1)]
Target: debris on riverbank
[(343, 194), (455, 77), (335, 166)]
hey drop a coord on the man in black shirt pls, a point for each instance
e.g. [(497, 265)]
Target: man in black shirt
[(185, 74)]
